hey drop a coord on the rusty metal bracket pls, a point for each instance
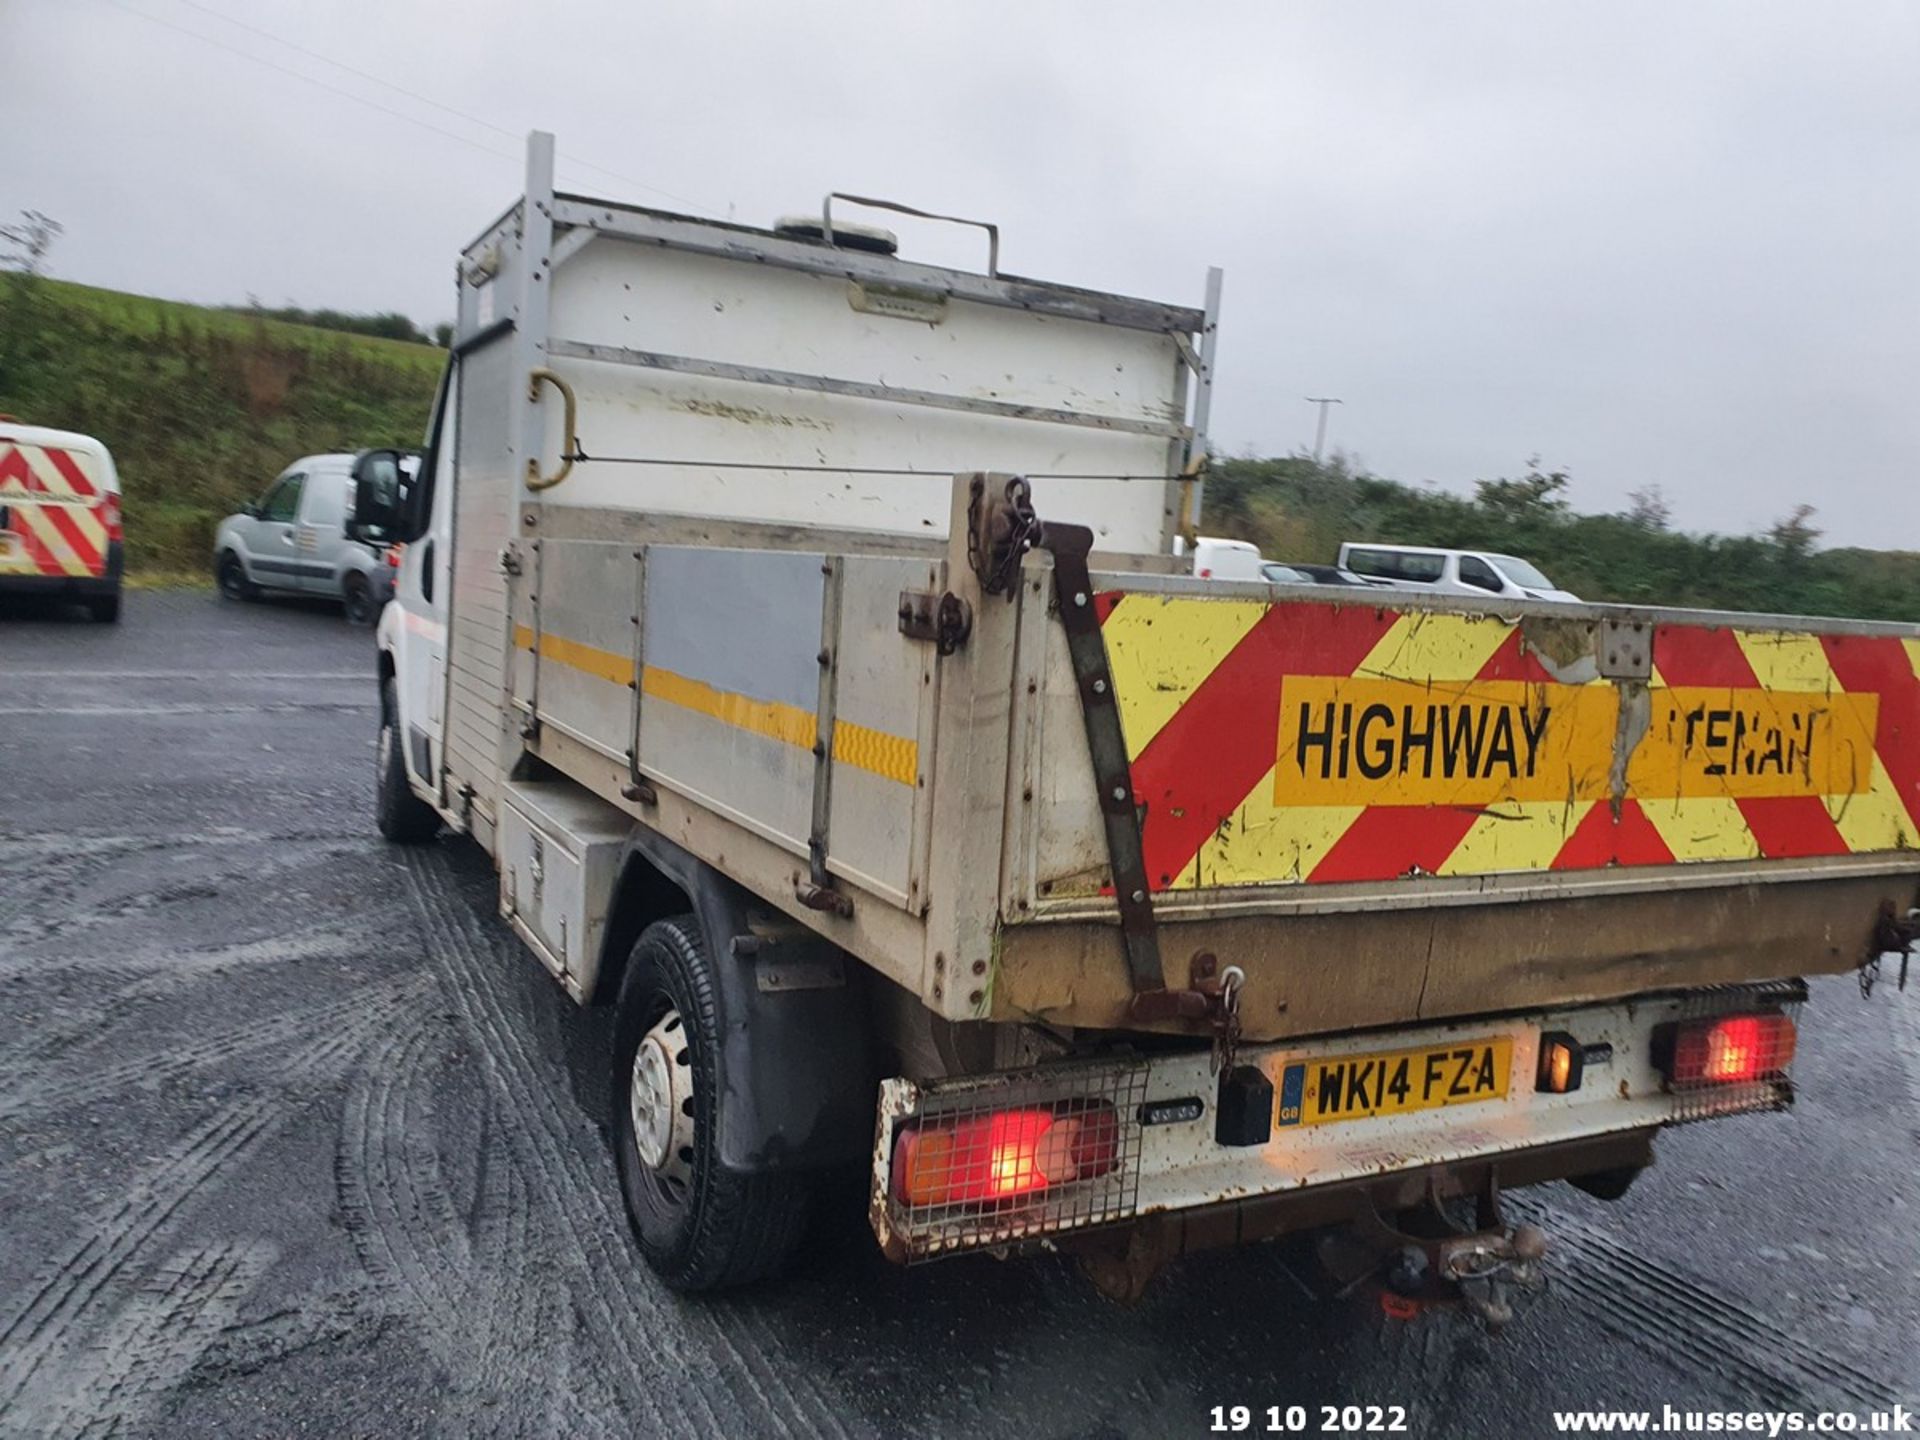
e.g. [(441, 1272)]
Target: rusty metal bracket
[(819, 897), (944, 620), (1106, 741), (1212, 995), (1892, 935)]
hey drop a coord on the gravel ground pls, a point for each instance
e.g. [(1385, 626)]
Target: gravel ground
[(295, 1139)]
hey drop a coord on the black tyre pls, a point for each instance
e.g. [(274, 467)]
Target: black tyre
[(105, 609), (403, 817), (232, 577), (356, 598), (700, 1226)]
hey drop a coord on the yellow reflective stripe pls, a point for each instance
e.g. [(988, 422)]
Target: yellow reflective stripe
[(891, 757), (1421, 648), (601, 664), (1913, 655), (1160, 648), (1702, 827), (786, 723), (1515, 835), (1262, 842)]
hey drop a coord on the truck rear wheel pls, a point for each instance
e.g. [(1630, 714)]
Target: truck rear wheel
[(403, 817), (699, 1225)]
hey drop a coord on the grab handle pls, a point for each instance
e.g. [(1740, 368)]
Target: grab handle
[(570, 441)]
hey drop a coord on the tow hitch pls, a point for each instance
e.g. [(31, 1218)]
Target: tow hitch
[(1429, 1257)]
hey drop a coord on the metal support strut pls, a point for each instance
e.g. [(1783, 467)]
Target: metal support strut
[(1107, 742), (1001, 528)]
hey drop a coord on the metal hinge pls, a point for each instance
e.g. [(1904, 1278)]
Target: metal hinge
[(509, 561), (946, 620), (1625, 650)]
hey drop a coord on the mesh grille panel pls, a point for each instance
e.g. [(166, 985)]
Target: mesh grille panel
[(1014, 1157), (1753, 1044)]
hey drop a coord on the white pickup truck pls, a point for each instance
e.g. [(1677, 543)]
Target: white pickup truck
[(798, 628)]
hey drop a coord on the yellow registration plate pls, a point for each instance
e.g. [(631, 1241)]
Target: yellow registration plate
[(1356, 1087)]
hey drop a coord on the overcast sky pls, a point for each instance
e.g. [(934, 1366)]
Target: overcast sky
[(1673, 244)]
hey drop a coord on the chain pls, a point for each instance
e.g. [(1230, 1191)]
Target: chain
[(1226, 1030), (998, 537)]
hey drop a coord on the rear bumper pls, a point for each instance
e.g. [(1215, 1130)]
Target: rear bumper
[(1175, 1168), (71, 587)]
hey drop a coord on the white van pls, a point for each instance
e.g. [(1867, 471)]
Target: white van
[(1452, 572), (1217, 559), (60, 529), (294, 538)]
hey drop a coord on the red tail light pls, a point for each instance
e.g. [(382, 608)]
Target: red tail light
[(1730, 1050), (394, 552), (1003, 1154), (109, 513)]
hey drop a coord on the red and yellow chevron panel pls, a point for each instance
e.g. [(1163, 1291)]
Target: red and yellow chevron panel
[(1298, 742), (49, 501)]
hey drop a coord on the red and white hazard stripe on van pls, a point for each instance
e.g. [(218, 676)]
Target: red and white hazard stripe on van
[(57, 513)]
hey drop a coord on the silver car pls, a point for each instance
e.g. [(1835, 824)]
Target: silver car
[(1452, 572), (294, 538)]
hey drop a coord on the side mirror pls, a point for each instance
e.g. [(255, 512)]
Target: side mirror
[(373, 516)]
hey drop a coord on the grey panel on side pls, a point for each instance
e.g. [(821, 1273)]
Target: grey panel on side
[(747, 621)]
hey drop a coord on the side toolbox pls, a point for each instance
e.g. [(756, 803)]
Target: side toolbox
[(559, 850)]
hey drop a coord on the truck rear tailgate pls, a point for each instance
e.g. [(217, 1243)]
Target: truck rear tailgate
[(1351, 800)]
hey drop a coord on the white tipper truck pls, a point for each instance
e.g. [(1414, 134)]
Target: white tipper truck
[(799, 629)]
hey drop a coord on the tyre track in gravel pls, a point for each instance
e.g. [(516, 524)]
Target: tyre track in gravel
[(39, 866), (40, 875), (62, 1306), (81, 914), (377, 1199), (436, 1262), (470, 981), (48, 871), (32, 1086), (151, 1345), (158, 976), (1689, 1324), (659, 1345)]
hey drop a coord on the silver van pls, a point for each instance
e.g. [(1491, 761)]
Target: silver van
[(1452, 572), (294, 538)]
